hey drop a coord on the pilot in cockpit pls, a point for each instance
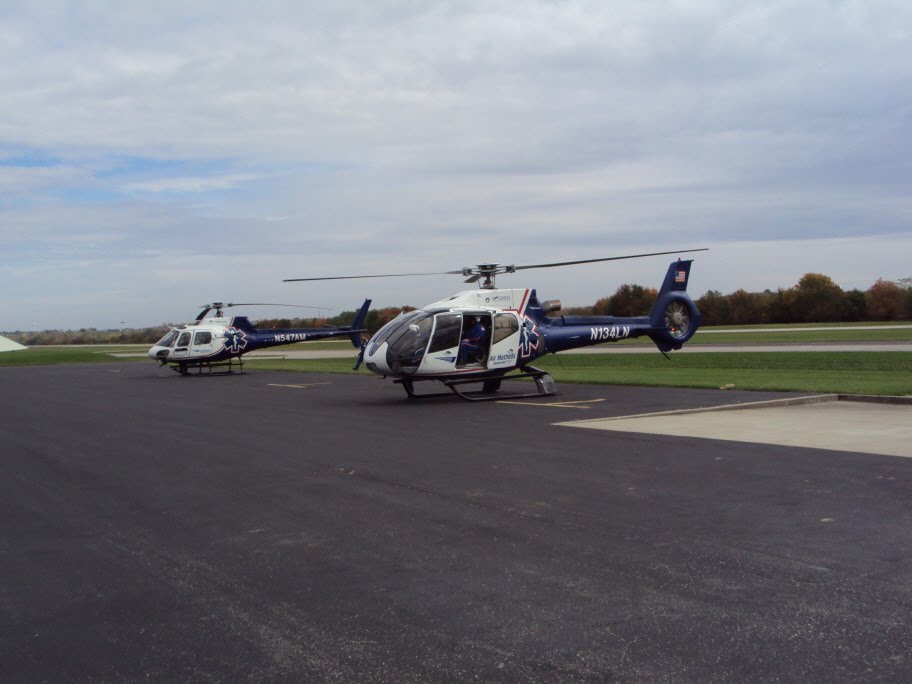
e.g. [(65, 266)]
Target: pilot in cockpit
[(471, 346)]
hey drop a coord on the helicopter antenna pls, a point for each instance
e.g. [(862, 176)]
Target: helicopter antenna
[(486, 273)]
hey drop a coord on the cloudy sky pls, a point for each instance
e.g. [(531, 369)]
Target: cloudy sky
[(155, 156)]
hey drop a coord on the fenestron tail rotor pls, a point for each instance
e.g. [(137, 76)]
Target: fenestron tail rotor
[(677, 319), (486, 273)]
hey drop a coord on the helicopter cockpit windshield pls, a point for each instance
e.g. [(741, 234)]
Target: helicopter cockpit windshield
[(408, 339), (168, 340)]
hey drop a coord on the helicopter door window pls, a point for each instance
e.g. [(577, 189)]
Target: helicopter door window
[(476, 338), (504, 326), (446, 332), (183, 340), (203, 337)]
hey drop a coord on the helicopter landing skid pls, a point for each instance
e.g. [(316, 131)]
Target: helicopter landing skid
[(217, 368), (544, 385)]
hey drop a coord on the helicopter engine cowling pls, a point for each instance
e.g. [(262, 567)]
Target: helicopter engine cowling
[(675, 318), (551, 306)]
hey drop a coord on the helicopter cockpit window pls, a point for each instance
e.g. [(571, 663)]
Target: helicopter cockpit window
[(446, 332), (504, 326), (184, 339), (202, 337), (168, 340), (408, 342), (384, 333)]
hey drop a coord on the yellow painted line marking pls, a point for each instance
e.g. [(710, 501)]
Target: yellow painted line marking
[(312, 384), (556, 404)]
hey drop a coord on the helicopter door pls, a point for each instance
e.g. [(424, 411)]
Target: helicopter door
[(444, 347), (504, 341), (182, 346), (475, 342), (202, 343)]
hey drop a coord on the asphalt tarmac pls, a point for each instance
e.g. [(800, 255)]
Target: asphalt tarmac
[(295, 527)]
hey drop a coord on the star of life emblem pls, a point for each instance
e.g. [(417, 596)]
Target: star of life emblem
[(235, 340), (528, 338)]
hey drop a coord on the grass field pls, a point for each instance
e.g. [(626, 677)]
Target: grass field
[(886, 373), (778, 334), (43, 356)]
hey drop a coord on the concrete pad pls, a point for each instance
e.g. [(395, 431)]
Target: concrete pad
[(824, 423), (7, 344)]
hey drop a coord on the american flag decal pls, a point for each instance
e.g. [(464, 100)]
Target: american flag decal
[(680, 276)]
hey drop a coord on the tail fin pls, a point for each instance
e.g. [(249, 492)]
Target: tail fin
[(538, 311), (676, 277), (242, 323), (357, 326), (674, 316)]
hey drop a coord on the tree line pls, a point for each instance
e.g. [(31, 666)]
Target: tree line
[(376, 318), (814, 299)]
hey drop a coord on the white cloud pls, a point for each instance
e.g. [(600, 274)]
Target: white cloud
[(198, 184), (19, 183)]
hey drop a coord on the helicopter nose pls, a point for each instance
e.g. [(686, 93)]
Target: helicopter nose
[(158, 353), (376, 362)]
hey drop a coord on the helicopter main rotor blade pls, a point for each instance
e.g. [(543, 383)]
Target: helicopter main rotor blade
[(297, 306), (378, 275), (617, 258), (218, 306), (488, 271)]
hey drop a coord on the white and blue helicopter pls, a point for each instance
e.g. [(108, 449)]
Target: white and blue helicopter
[(486, 335), (217, 343)]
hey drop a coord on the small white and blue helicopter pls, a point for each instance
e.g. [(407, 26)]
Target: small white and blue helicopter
[(488, 334), (217, 343)]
